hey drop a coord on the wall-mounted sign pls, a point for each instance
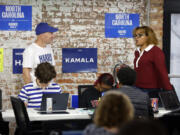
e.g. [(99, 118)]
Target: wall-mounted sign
[(79, 60), (17, 60), (120, 25), (1, 59), (15, 17)]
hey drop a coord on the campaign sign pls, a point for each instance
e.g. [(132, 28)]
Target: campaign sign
[(17, 60), (79, 60), (15, 18), (120, 25), (74, 101)]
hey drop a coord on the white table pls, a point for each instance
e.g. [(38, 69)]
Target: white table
[(74, 114), (161, 112)]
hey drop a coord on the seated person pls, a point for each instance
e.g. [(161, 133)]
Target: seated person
[(103, 83), (139, 99), (32, 93), (114, 110)]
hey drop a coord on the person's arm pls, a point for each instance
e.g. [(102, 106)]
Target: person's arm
[(160, 65), (150, 109), (28, 62), (26, 75), (24, 96), (60, 89)]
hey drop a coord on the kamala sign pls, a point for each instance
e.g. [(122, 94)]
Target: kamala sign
[(79, 60)]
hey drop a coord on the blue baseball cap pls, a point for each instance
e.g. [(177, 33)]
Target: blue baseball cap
[(44, 27)]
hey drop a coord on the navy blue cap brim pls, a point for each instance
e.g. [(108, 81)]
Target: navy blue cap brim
[(47, 28), (52, 29)]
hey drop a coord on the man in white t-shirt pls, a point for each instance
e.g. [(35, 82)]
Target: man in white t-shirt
[(38, 52)]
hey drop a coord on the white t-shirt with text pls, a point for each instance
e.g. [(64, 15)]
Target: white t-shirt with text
[(34, 55)]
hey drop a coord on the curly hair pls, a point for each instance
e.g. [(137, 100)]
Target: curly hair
[(45, 72), (105, 78), (152, 39), (114, 109), (126, 75)]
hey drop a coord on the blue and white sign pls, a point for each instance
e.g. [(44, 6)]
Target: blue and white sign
[(79, 60), (120, 25), (15, 18), (17, 60)]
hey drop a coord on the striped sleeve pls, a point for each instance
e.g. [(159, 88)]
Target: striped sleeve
[(23, 95), (54, 88)]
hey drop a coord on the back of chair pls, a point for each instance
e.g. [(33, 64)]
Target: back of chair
[(4, 125), (81, 89), (175, 94), (1, 119), (20, 112), (0, 99)]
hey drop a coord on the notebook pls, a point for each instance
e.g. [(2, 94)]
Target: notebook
[(169, 100), (59, 105)]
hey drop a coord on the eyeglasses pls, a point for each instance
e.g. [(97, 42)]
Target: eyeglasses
[(139, 35)]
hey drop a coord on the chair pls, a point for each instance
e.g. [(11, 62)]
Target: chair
[(4, 126), (175, 95), (24, 126), (169, 99), (81, 89)]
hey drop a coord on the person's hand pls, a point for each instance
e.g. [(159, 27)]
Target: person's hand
[(95, 103), (26, 104)]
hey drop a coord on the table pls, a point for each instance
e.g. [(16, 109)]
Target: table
[(161, 112), (74, 114), (77, 119)]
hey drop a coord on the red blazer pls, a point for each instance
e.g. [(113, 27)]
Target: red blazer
[(151, 69)]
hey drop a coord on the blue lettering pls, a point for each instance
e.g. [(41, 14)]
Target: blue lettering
[(45, 58)]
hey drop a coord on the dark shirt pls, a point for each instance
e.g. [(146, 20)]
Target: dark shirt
[(139, 99), (88, 95)]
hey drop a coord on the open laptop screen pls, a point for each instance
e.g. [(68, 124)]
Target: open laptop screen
[(59, 101)]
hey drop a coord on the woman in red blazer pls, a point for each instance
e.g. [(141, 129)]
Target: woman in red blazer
[(149, 62)]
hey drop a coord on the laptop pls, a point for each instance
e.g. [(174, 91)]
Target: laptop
[(169, 100), (59, 103)]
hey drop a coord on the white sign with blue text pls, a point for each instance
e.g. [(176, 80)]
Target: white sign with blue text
[(120, 25), (15, 18), (17, 60), (79, 60)]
